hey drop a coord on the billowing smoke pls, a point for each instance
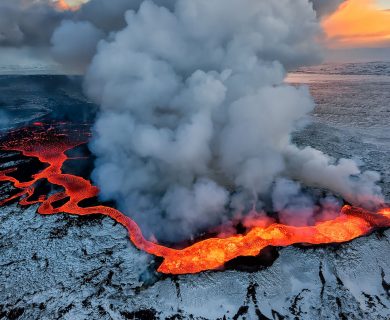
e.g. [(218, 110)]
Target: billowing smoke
[(196, 121), (298, 208), (78, 51), (74, 43), (31, 23), (28, 23), (74, 35)]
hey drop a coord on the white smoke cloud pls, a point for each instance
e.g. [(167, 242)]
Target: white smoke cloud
[(80, 44), (194, 208), (195, 119), (344, 177), (74, 41)]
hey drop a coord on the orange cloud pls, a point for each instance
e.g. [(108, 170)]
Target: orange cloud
[(358, 23), (64, 6)]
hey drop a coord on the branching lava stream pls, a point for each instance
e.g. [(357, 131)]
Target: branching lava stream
[(49, 143)]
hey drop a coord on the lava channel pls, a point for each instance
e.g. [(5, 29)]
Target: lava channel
[(49, 144)]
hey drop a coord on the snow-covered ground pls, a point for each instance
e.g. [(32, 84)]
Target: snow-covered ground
[(63, 267)]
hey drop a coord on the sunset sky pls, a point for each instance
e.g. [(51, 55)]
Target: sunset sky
[(74, 2), (359, 23), (358, 31)]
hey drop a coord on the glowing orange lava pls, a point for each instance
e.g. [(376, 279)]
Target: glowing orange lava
[(49, 144)]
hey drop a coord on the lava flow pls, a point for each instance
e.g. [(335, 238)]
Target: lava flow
[(49, 144)]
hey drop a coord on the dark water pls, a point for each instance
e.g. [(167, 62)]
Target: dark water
[(25, 99)]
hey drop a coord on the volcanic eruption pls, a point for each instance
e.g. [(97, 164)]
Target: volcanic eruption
[(49, 144), (196, 120), (194, 130)]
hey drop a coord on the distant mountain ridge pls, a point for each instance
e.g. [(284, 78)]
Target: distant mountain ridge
[(359, 68)]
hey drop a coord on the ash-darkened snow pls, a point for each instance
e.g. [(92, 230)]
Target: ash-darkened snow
[(64, 267)]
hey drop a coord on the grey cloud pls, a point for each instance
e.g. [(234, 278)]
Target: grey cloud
[(32, 23), (325, 7), (109, 15), (28, 23)]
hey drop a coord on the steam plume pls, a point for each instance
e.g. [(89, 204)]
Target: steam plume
[(195, 119)]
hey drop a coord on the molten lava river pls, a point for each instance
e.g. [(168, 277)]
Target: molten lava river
[(49, 144)]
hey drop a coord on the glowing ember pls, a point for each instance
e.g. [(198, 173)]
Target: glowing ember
[(49, 144)]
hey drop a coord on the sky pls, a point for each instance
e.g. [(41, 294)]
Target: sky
[(75, 2), (359, 23), (385, 4), (358, 31)]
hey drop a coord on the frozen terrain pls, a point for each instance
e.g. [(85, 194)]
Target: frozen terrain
[(63, 267)]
